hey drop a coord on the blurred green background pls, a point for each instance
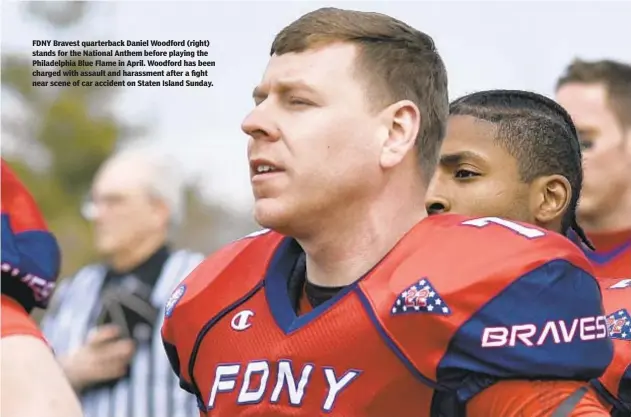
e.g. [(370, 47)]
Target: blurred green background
[(64, 137)]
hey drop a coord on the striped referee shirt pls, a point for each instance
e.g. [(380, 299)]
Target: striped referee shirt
[(151, 389)]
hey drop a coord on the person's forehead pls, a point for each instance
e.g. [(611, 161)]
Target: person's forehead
[(584, 102), (121, 177), (313, 67), (474, 140), (464, 131)]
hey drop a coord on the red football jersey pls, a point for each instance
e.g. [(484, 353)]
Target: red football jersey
[(31, 256), (16, 321), (612, 258), (535, 399), (617, 379), (455, 306)]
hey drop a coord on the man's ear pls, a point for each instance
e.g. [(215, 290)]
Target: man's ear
[(402, 121), (551, 195)]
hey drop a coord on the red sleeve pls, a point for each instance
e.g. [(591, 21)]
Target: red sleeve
[(520, 303), (533, 399), (31, 256), (19, 203), (187, 310), (16, 321), (617, 301)]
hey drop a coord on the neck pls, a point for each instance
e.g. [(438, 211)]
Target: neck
[(128, 259), (343, 250), (609, 220)]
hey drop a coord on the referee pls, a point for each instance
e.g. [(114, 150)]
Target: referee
[(104, 323)]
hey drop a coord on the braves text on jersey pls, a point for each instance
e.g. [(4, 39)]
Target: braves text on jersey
[(457, 305)]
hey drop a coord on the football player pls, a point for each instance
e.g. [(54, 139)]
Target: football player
[(33, 383), (356, 304), (598, 97), (515, 155)]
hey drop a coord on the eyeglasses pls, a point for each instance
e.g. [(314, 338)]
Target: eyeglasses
[(90, 205)]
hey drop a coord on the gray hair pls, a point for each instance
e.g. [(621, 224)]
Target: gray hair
[(165, 180)]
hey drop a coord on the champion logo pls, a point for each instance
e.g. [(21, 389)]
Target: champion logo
[(241, 320)]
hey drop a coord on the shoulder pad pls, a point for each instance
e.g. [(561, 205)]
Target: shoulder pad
[(461, 295), (217, 282), (617, 301), (31, 257)]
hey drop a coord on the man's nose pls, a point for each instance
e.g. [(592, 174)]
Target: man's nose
[(437, 205)]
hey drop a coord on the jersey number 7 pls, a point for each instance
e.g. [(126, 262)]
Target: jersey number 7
[(527, 232)]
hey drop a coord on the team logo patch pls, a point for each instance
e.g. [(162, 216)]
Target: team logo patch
[(174, 299), (619, 325), (241, 320), (420, 298)]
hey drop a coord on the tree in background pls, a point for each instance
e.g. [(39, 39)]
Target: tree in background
[(67, 134), (210, 225), (64, 137)]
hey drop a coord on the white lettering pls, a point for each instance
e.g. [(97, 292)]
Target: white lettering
[(589, 328), (567, 338), (225, 380), (288, 384), (586, 329), (249, 397), (549, 328), (286, 378), (494, 337), (621, 284), (335, 385), (523, 332), (601, 326), (528, 232)]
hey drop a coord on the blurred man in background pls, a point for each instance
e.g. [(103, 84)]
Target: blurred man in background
[(598, 97), (33, 384), (105, 322), (516, 155)]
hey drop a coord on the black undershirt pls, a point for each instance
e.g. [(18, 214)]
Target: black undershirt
[(316, 294)]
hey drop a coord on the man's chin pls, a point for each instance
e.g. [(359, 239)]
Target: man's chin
[(587, 208), (271, 214), (105, 247)]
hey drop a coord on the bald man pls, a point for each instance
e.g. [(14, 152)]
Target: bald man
[(104, 323)]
